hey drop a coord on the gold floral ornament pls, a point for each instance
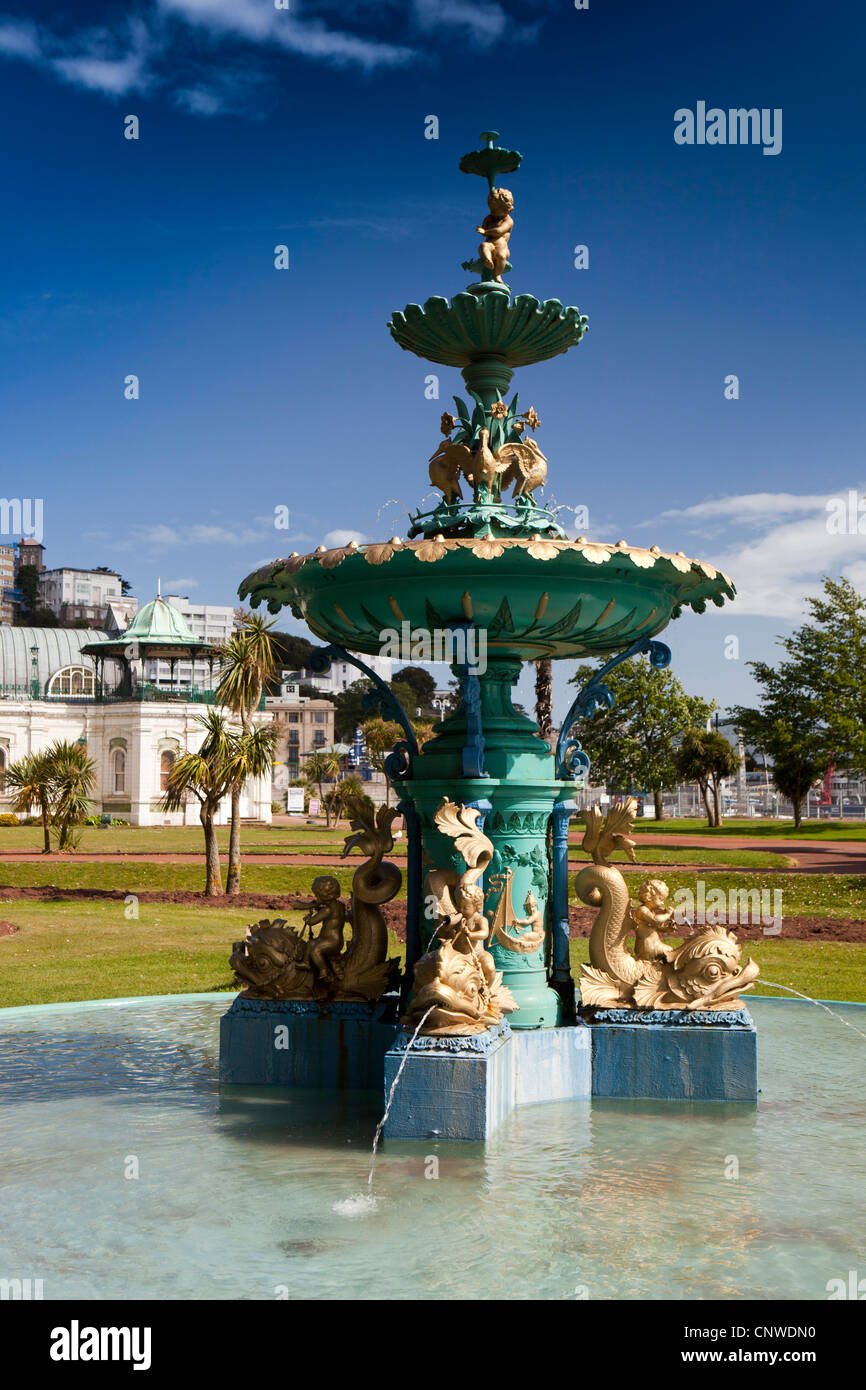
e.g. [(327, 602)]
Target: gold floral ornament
[(542, 550), (531, 418), (596, 554), (431, 550), (447, 423), (499, 410), (380, 552), (487, 548)]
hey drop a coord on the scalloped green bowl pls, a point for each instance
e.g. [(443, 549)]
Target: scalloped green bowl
[(470, 328), (584, 600)]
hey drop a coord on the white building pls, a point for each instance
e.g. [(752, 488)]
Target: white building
[(74, 594), (50, 688), (342, 674)]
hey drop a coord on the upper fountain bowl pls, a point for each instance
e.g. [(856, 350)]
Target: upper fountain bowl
[(473, 328), (534, 598)]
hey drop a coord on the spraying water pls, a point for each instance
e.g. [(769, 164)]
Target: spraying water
[(381, 1125), (816, 1002), (364, 1202)]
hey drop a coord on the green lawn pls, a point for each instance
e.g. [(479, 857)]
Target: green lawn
[(811, 895), (183, 839), (761, 829), (823, 970), (81, 950)]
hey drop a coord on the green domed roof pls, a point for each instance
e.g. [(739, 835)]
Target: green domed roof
[(158, 626), (158, 622)]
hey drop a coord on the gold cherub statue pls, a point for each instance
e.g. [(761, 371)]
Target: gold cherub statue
[(651, 918), (496, 230), (330, 910)]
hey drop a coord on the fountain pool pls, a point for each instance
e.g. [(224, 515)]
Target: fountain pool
[(259, 1193)]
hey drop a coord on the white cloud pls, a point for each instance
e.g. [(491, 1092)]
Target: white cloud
[(750, 506), (112, 61), (775, 571), (259, 22), (176, 586), (175, 45), (484, 24), (19, 39), (338, 538)]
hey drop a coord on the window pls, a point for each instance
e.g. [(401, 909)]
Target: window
[(293, 719), (118, 771), (2, 769), (72, 681), (166, 762), (319, 738), (319, 716)]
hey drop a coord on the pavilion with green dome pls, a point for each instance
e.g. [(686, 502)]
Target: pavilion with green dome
[(157, 632)]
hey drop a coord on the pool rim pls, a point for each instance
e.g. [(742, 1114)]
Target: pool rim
[(213, 996)]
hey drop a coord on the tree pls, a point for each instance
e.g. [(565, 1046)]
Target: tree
[(206, 775), (27, 581), (707, 758), (73, 776), (827, 662), (30, 779), (789, 733), (813, 706), (39, 617), (380, 735), (632, 746), (247, 661), (320, 767), (421, 683), (544, 698), (58, 782), (349, 789)]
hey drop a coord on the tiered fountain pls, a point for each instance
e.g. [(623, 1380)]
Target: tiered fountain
[(487, 999)]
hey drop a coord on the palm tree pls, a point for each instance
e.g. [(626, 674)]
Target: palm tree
[(544, 698), (706, 757), (251, 755), (349, 789), (31, 782), (323, 766), (248, 659), (207, 775), (73, 775)]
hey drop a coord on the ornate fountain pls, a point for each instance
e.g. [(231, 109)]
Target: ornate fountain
[(490, 577)]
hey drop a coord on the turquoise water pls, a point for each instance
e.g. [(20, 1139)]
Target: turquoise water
[(257, 1195)]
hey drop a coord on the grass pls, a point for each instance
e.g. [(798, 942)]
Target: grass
[(761, 829), (809, 895), (179, 839), (821, 969), (81, 950)]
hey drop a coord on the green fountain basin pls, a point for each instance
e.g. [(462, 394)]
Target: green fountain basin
[(469, 327), (535, 598)]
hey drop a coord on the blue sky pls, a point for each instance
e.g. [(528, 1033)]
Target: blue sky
[(263, 388)]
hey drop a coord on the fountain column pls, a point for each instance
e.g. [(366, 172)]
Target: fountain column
[(521, 788)]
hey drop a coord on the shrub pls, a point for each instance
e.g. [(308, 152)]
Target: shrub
[(7, 818)]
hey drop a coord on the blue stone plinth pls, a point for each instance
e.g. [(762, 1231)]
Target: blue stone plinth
[(269, 1042), (674, 1056), (464, 1088), (451, 1088), (553, 1064)]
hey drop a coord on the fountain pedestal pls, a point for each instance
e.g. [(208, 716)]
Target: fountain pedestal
[(668, 1054), (464, 1088), (293, 1042)]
